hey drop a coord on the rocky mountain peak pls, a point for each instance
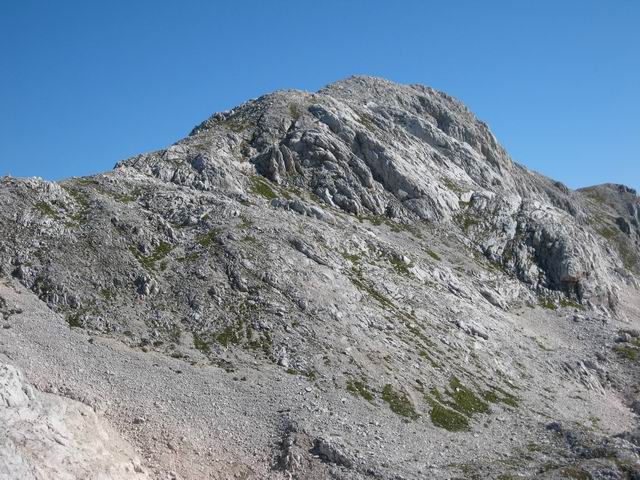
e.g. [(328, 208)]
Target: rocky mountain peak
[(362, 273), (368, 146)]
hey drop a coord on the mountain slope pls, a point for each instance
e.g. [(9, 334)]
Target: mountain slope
[(372, 249)]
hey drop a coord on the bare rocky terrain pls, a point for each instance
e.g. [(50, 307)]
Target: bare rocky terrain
[(354, 283)]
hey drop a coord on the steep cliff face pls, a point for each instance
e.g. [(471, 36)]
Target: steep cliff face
[(372, 239)]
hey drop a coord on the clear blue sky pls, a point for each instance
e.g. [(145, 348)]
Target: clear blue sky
[(84, 84)]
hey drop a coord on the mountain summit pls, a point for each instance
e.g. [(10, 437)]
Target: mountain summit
[(352, 283)]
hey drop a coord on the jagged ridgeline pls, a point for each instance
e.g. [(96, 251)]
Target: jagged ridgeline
[(371, 238)]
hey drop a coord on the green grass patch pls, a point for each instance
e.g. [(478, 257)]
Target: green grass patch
[(467, 220), (75, 319), (498, 395), (200, 344), (547, 303), (399, 266), (149, 261), (630, 353), (361, 389), (207, 239), (398, 402), (433, 255), (465, 401), (236, 125), (107, 294), (568, 303), (448, 419), (575, 473), (82, 199), (294, 111), (261, 186), (366, 122), (47, 210), (424, 354), (353, 258), (229, 336), (608, 233), (188, 258), (451, 185)]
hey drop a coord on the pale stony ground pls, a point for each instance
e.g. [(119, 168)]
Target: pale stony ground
[(50, 436), (201, 422)]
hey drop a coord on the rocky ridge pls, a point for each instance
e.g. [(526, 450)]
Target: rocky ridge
[(370, 246)]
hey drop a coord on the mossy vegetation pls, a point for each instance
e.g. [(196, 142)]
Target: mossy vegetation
[(548, 303), (434, 255), (448, 419), (82, 199), (294, 111), (575, 473), (201, 344), (459, 403), (261, 186), (394, 226), (451, 185), (360, 389), (235, 124), (465, 401), (107, 294), (498, 395), (424, 354), (230, 335), (630, 353), (617, 240), (43, 286), (353, 258), (188, 258), (47, 210), (149, 261), (568, 303), (399, 266), (74, 318), (132, 194), (366, 122), (608, 233), (467, 219), (398, 402), (209, 238)]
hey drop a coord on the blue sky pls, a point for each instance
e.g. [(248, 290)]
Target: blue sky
[(84, 84)]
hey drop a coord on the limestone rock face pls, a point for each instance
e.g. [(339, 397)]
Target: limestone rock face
[(406, 152), (47, 436), (353, 283)]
